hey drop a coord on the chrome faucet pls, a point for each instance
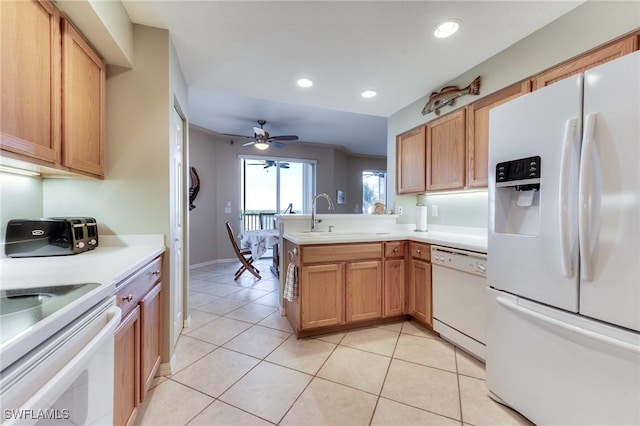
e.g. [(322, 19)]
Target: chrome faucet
[(313, 209)]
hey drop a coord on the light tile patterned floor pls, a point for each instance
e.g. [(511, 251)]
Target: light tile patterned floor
[(240, 364)]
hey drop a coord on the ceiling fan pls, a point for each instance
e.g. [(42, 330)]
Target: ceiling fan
[(262, 140), (271, 163)]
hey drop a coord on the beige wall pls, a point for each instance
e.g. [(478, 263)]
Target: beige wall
[(587, 26), (134, 196), (216, 161)]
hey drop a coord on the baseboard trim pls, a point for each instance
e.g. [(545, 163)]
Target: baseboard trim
[(212, 262)]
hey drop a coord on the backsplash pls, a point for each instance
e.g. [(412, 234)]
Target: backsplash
[(469, 208), (20, 197)]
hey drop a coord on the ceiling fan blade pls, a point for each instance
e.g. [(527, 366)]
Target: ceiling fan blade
[(236, 136), (249, 143), (285, 138), (277, 144)]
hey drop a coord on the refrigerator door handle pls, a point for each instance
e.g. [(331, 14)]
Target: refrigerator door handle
[(563, 196), (585, 200), (546, 320)]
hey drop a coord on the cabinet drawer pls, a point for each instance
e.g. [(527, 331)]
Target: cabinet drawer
[(129, 293), (395, 248), (340, 253), (421, 251)]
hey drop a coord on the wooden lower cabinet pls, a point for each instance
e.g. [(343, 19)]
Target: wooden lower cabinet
[(138, 340), (420, 306), (395, 267), (127, 361), (321, 293), (394, 287), (151, 338), (420, 288), (364, 290), (344, 285)]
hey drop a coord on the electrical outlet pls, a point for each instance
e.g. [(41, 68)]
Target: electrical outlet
[(400, 209), (434, 211), (227, 209)]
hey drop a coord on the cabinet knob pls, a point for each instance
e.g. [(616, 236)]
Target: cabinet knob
[(128, 298), (156, 273), (395, 250), (418, 251)]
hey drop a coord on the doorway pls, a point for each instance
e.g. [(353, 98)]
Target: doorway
[(271, 186)]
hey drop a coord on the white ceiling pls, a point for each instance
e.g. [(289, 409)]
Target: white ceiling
[(241, 59)]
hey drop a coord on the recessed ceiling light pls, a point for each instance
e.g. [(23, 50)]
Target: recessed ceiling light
[(447, 28), (304, 82), (368, 93)]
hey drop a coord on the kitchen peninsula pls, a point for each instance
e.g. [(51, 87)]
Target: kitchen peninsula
[(367, 270)]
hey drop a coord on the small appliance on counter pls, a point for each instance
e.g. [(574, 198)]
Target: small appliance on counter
[(56, 236)]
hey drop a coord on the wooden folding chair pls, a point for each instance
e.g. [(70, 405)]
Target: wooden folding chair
[(244, 256)]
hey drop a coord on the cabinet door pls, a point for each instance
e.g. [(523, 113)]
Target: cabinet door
[(446, 152), (364, 290), (30, 79), (420, 300), (411, 161), (478, 131), (322, 295), (584, 62), (127, 373), (151, 337), (394, 285), (82, 104)]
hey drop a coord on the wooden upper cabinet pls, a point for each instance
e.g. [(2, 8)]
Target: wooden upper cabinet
[(411, 161), (588, 60), (446, 152), (478, 131), (30, 79), (82, 104)]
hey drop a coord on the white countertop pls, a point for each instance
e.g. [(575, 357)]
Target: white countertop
[(114, 259), (472, 239)]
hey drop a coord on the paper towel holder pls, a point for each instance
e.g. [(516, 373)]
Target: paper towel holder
[(421, 223)]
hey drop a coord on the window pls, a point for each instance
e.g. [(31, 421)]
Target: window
[(374, 188), (270, 186)]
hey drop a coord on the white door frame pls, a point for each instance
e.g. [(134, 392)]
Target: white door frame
[(178, 241)]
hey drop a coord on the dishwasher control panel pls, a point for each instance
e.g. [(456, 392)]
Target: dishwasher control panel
[(461, 260)]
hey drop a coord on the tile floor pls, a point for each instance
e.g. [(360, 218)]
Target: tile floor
[(240, 364)]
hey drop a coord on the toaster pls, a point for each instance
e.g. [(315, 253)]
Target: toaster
[(55, 236)]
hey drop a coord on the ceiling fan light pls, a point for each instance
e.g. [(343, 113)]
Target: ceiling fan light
[(304, 82), (262, 145), (368, 94), (447, 28)]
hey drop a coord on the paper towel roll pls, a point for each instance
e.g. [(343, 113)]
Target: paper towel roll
[(421, 224)]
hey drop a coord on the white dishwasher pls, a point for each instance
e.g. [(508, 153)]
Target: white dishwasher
[(459, 298)]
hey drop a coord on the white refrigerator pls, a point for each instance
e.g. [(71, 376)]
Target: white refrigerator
[(563, 330)]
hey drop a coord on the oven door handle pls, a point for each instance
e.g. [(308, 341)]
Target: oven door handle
[(58, 383)]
